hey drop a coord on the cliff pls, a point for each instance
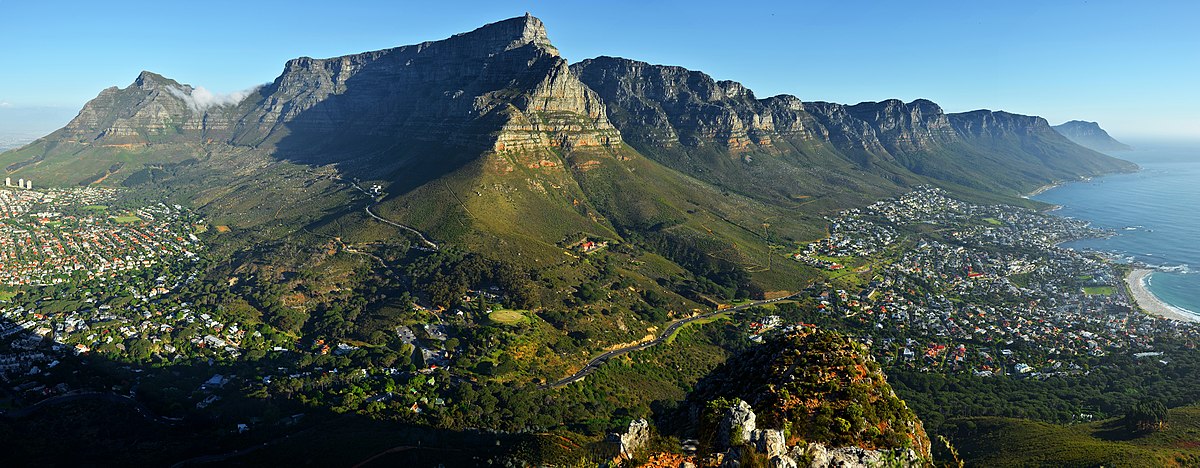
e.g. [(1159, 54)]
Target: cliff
[(693, 123)]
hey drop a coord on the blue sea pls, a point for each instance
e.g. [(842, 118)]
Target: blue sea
[(1155, 212)]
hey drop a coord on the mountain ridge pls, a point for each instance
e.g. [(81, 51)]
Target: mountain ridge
[(1090, 135)]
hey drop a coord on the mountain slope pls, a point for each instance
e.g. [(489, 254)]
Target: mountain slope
[(1090, 135), (720, 132)]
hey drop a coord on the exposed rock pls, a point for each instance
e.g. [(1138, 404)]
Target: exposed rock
[(737, 426), (633, 439), (686, 120), (770, 441)]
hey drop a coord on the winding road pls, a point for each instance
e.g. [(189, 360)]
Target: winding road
[(597, 361), (375, 201)]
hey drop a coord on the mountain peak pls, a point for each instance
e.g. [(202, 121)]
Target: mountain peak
[(150, 80), (1090, 135), (513, 33)]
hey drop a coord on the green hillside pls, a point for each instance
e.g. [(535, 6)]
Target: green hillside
[(1004, 442)]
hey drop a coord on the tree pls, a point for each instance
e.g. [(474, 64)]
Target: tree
[(1146, 416)]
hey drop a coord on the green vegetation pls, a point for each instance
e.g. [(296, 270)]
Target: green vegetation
[(834, 393), (509, 316), (1005, 442), (1099, 290), (126, 219)]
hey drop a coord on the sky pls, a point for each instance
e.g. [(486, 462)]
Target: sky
[(1134, 67)]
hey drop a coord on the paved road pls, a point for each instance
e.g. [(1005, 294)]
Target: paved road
[(374, 201), (597, 361)]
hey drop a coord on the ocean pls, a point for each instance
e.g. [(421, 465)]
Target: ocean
[(1155, 212)]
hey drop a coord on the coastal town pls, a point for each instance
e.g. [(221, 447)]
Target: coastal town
[(939, 285)]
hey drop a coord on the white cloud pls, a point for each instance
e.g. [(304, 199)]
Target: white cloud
[(5, 104), (200, 99)]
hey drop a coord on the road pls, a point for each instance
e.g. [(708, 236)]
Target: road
[(597, 361), (374, 201)]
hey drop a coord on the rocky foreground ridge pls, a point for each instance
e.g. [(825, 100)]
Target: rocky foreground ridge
[(811, 398)]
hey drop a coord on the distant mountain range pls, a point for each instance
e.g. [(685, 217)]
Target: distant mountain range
[(490, 140), (1090, 135)]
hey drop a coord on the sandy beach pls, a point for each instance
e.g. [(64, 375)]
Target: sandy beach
[(1041, 189), (1151, 303)]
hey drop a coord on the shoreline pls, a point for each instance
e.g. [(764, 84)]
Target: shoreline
[(1151, 304), (1041, 189)]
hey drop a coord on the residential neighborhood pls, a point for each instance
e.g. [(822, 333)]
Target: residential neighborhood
[(947, 286)]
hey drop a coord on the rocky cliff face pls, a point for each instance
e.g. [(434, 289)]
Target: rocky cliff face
[(688, 121), (152, 108), (657, 105), (1090, 135), (663, 105), (502, 87)]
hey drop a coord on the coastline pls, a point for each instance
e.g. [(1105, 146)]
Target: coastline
[(1041, 189), (1151, 304)]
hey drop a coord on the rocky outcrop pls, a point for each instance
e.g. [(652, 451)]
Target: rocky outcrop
[(1090, 135), (737, 426), (772, 445), (803, 395), (633, 439)]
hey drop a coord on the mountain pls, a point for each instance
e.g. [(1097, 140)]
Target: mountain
[(721, 132), (489, 140), (1089, 134)]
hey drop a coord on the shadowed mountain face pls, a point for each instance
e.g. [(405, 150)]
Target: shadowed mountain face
[(1090, 135)]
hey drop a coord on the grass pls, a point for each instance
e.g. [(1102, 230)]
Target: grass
[(509, 316), (126, 219), (1099, 290), (1004, 442), (992, 221), (95, 208), (6, 295), (703, 321)]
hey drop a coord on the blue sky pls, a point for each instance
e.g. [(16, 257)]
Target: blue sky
[(1132, 66)]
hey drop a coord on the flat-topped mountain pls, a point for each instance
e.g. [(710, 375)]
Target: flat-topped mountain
[(1090, 135), (490, 140)]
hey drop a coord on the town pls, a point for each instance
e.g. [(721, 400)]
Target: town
[(52, 236), (939, 285)]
